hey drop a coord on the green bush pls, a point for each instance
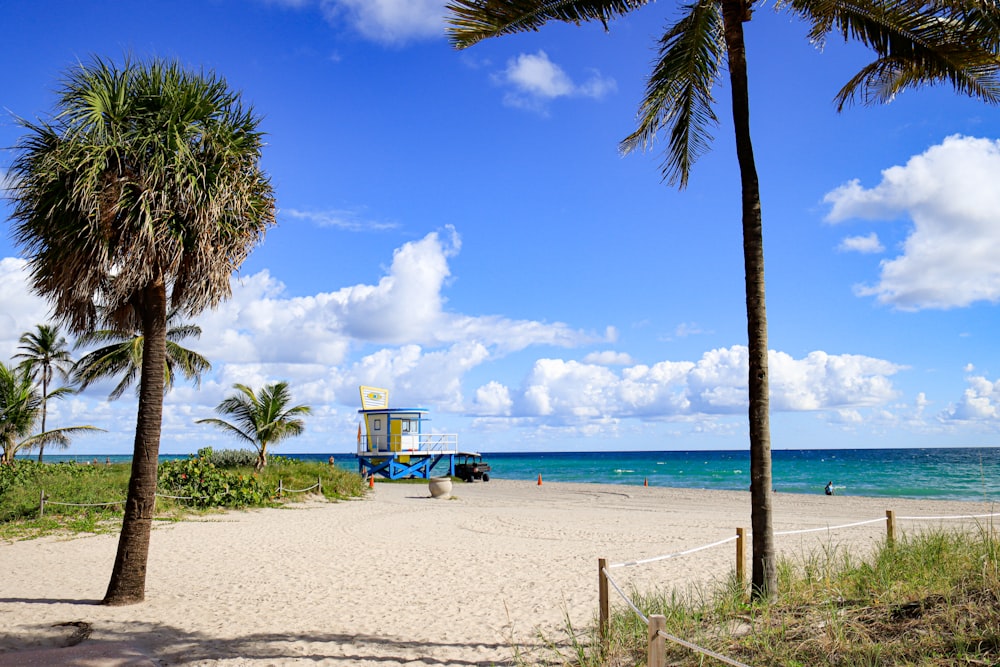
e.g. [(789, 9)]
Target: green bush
[(16, 473), (206, 485), (229, 458)]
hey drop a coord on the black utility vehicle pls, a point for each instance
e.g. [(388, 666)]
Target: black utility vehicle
[(471, 467)]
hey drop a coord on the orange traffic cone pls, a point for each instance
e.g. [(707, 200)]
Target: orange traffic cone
[(539, 479), (371, 481)]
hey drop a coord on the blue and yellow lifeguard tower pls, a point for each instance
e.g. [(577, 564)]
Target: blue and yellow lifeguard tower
[(394, 444)]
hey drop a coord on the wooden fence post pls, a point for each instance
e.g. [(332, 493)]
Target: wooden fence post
[(741, 555), (319, 485), (41, 504), (279, 487), (656, 654), (604, 604), (890, 527)]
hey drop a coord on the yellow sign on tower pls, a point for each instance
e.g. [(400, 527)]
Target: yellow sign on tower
[(374, 398)]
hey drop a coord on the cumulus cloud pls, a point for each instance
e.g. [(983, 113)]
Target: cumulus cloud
[(533, 80), (20, 310), (980, 402), (560, 391), (864, 244), (949, 194)]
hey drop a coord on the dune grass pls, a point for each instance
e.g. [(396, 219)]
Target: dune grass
[(932, 598), (22, 484)]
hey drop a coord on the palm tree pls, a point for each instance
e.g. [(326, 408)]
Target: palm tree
[(260, 419), (21, 406), (122, 355), (142, 194), (914, 43), (44, 354)]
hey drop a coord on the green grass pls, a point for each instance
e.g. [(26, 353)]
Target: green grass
[(929, 599), (22, 484)]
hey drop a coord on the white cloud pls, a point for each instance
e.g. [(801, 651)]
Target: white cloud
[(389, 21), (20, 310), (949, 193), (346, 220), (568, 391), (980, 402), (534, 80), (864, 244), (608, 358)]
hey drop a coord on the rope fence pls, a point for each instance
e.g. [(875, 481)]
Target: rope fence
[(43, 500), (656, 623)]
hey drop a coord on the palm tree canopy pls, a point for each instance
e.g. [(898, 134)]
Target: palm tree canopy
[(44, 353), (120, 354), (914, 42), (20, 411), (20, 406), (263, 418), (146, 174), (260, 419)]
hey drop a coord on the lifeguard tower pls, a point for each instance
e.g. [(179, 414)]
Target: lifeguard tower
[(394, 445)]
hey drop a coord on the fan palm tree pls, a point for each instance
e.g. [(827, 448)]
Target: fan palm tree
[(21, 406), (914, 42), (142, 194), (260, 419), (122, 355), (44, 354)]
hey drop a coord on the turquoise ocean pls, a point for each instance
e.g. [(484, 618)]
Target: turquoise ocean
[(970, 474)]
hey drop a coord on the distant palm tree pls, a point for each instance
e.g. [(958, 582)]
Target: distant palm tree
[(260, 419), (20, 409), (141, 195), (914, 42), (123, 356), (44, 354)]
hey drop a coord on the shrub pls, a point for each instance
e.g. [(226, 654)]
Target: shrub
[(199, 479), (229, 458)]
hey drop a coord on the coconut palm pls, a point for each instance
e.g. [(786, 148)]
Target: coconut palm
[(953, 41), (142, 194), (260, 419), (21, 407), (44, 354), (121, 355)]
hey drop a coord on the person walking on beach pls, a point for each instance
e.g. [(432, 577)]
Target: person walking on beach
[(829, 488)]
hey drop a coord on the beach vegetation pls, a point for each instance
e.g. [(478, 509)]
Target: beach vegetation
[(120, 354), (913, 44), (260, 419), (21, 408), (140, 195), (45, 354), (198, 480), (931, 598), (229, 458), (95, 493)]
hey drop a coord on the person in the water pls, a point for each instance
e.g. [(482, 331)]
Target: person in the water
[(829, 489)]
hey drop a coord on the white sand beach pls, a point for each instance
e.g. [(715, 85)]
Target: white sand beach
[(397, 578)]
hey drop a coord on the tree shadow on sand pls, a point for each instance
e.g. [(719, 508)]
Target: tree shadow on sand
[(164, 644)]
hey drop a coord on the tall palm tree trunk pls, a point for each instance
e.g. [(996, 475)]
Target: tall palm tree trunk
[(128, 579), (45, 400), (764, 574)]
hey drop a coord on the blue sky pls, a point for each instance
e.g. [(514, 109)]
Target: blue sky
[(460, 228)]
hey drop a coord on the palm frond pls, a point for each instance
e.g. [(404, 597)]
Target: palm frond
[(915, 42), (678, 95), (471, 21)]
